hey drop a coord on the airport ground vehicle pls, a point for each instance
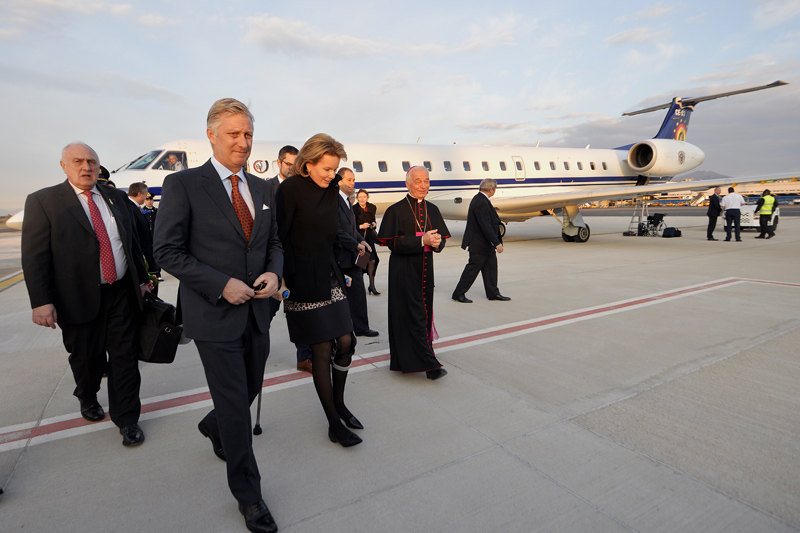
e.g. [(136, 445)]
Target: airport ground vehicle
[(750, 220)]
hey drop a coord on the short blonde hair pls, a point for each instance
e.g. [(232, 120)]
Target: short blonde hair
[(224, 107), (313, 150)]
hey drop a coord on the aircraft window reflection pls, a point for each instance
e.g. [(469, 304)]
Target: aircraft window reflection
[(144, 161), (485, 166), (406, 165), (503, 166), (382, 166), (447, 166), (591, 165), (552, 166), (566, 165), (604, 166), (357, 166), (173, 161), (580, 166), (519, 165), (466, 166), (536, 165), (428, 166)]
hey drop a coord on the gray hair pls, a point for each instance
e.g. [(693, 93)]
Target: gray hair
[(415, 169), (488, 184), (224, 107), (77, 143)]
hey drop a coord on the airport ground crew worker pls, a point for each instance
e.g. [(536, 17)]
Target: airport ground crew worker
[(765, 207)]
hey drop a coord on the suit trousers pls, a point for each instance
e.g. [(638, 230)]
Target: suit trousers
[(113, 331), (357, 298), (712, 223), (487, 266), (235, 374)]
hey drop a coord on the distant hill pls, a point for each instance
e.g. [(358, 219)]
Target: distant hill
[(701, 175)]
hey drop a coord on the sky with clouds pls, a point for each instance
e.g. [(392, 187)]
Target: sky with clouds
[(125, 77)]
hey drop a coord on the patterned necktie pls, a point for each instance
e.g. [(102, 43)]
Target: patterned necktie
[(107, 264), (239, 205)]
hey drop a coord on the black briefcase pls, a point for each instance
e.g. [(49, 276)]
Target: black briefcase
[(159, 335)]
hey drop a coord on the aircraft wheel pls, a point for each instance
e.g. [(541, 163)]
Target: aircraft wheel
[(502, 230), (567, 238), (583, 234)]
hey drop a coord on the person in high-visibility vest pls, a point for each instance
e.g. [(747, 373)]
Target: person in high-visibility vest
[(765, 207)]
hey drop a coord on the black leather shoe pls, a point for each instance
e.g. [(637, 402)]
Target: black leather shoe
[(463, 299), (759, 236), (712, 239), (91, 410), (257, 518), (501, 298), (346, 439), (436, 374), (374, 291), (132, 435), (770, 236), (368, 333), (215, 442)]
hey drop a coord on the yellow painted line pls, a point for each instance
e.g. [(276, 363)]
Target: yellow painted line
[(13, 280)]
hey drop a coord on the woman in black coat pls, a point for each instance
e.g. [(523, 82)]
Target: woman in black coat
[(317, 311), (365, 220)]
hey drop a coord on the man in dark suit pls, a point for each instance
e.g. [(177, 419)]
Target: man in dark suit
[(216, 233), (713, 213), (137, 193), (482, 236), (84, 271), (286, 157), (353, 245)]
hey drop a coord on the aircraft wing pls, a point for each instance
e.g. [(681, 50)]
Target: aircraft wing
[(531, 205)]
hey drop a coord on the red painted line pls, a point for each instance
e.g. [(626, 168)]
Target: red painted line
[(54, 427)]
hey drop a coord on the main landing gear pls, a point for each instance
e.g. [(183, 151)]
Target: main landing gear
[(573, 228)]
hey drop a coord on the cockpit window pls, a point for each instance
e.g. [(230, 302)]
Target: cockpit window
[(144, 161), (173, 161)]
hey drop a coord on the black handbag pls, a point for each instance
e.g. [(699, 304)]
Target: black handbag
[(159, 335)]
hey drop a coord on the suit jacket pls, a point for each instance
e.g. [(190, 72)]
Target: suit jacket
[(61, 253), (200, 241), (348, 237), (482, 234), (142, 227), (714, 208)]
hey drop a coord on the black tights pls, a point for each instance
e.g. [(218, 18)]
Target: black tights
[(371, 267), (329, 381)]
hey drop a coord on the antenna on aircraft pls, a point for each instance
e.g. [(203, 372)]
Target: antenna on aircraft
[(418, 139), (587, 146), (691, 102)]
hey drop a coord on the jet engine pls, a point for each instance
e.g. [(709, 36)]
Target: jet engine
[(664, 157)]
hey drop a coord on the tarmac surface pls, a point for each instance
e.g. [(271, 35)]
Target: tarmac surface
[(631, 384)]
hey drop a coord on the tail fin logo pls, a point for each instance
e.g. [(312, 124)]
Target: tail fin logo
[(680, 132)]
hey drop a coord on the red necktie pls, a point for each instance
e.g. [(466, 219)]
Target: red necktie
[(239, 205), (107, 264)]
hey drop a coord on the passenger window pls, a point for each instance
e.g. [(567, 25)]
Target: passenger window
[(382, 166), (552, 166), (591, 165), (580, 166), (466, 166), (447, 166), (485, 166), (604, 166), (536, 165), (503, 166), (406, 166), (519, 165), (357, 166), (428, 166), (566, 165)]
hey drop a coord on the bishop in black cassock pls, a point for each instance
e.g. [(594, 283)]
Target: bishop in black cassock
[(406, 228)]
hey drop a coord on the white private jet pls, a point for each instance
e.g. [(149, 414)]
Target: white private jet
[(532, 181)]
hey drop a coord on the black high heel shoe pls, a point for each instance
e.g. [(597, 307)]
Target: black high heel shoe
[(347, 439), (372, 290)]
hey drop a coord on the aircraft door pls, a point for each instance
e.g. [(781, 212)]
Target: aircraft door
[(519, 168)]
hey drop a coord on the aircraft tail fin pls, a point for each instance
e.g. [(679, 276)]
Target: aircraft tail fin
[(680, 109)]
